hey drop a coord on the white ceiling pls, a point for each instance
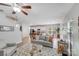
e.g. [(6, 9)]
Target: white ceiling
[(43, 13)]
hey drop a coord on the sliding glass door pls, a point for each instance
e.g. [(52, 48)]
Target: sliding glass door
[(73, 37)]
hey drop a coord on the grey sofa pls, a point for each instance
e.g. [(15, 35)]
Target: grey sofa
[(43, 40)]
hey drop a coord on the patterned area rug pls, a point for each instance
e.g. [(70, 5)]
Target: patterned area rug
[(34, 50)]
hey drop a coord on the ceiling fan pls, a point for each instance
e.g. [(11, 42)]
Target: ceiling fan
[(18, 7)]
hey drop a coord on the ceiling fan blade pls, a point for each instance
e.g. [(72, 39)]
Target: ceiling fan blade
[(26, 7), (12, 18), (5, 4), (24, 12)]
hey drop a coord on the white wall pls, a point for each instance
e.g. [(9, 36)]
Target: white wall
[(73, 15), (26, 30), (8, 37)]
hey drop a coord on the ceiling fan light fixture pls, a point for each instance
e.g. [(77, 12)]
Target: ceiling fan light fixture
[(16, 9)]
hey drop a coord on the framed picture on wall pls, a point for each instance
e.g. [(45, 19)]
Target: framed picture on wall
[(6, 28)]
